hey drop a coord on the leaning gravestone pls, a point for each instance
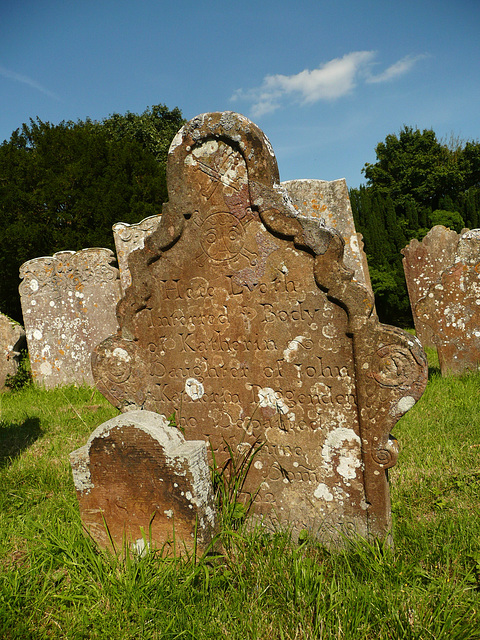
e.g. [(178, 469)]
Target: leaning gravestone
[(242, 319), (423, 264), (329, 201), (128, 238), (12, 340), (68, 303), (139, 482), (451, 308)]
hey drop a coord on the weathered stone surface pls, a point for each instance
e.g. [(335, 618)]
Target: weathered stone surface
[(68, 303), (423, 263), (128, 238), (329, 202), (138, 480), (12, 340), (451, 308), (242, 318)]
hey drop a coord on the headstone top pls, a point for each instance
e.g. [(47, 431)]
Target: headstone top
[(329, 202), (451, 307), (68, 303), (423, 263), (243, 318), (139, 482)]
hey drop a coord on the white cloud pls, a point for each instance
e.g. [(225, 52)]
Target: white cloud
[(6, 73), (398, 69), (330, 81)]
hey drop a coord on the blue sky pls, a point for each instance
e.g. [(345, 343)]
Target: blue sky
[(326, 81)]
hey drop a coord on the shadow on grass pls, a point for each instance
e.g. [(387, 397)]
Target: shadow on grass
[(434, 372), (15, 438)]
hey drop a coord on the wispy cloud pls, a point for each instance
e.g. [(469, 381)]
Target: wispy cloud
[(330, 81), (12, 75), (398, 69)]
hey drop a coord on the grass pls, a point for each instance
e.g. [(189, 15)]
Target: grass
[(54, 582)]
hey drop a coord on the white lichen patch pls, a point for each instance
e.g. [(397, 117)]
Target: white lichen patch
[(322, 492), (344, 443), (405, 404), (267, 397), (121, 354), (292, 347), (194, 388)]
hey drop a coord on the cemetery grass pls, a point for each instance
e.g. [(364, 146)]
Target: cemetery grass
[(54, 582)]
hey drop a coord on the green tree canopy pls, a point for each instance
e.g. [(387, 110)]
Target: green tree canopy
[(416, 183), (64, 186)]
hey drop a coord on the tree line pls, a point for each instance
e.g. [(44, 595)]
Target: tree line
[(416, 183), (64, 186)]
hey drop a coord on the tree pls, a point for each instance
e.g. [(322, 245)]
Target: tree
[(416, 182), (64, 186)]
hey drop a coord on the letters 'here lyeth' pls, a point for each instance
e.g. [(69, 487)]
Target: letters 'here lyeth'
[(242, 318)]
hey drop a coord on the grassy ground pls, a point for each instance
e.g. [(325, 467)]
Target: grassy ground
[(54, 583)]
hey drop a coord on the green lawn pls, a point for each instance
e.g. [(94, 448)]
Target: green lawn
[(54, 583)]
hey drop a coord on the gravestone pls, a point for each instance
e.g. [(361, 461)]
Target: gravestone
[(329, 201), (451, 308), (139, 482), (68, 303), (12, 341), (128, 238), (243, 319), (423, 264)]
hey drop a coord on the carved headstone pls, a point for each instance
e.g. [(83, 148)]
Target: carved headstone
[(451, 308), (423, 263), (68, 303), (329, 201), (242, 318), (139, 482), (12, 340), (128, 238)]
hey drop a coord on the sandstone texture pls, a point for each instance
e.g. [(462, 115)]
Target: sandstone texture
[(242, 317)]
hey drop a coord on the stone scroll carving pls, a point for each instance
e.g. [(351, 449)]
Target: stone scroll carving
[(68, 303), (243, 319)]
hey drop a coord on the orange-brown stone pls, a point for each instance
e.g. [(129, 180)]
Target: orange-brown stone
[(243, 319)]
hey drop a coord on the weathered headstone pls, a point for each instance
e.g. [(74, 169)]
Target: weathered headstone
[(329, 201), (128, 238), (12, 340), (68, 303), (423, 264), (242, 318), (139, 482), (451, 308)]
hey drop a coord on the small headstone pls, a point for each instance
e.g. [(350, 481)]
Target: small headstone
[(138, 483), (12, 341), (68, 303), (243, 319), (451, 308), (423, 264), (128, 238), (329, 201)]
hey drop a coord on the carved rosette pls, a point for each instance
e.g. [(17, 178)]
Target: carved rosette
[(390, 365)]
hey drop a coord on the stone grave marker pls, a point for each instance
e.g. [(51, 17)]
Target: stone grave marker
[(139, 482), (329, 201), (12, 341), (68, 303), (128, 238), (242, 318), (451, 308), (423, 264)]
